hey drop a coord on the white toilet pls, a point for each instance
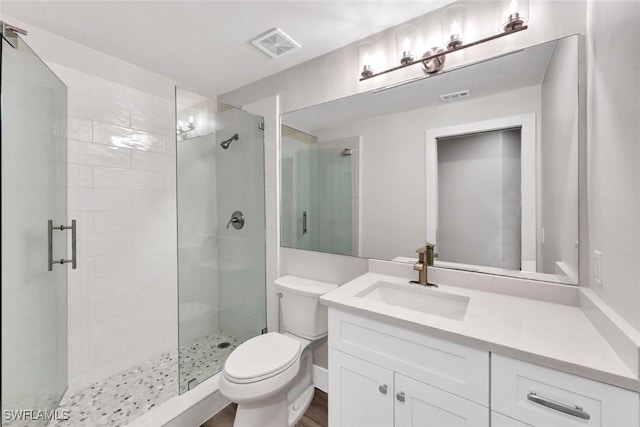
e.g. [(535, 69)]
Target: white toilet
[(269, 376)]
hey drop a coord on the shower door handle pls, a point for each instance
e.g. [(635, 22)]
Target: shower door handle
[(304, 223), (62, 261)]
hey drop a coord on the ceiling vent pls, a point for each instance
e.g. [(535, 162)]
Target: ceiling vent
[(455, 95), (275, 43)]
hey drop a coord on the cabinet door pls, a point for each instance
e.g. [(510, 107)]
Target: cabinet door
[(360, 393), (419, 404)]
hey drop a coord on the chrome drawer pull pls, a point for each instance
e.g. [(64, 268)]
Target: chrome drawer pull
[(382, 388), (400, 396), (576, 411)]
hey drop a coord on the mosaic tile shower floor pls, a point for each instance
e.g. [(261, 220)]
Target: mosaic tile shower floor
[(204, 357), (121, 398)]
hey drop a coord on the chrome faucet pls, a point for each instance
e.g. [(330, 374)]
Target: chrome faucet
[(425, 259)]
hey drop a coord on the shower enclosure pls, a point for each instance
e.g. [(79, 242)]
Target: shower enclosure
[(320, 192), (34, 191), (221, 233)]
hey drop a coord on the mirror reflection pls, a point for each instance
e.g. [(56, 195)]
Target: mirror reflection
[(481, 160)]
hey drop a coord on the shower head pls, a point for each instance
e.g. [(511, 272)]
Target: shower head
[(227, 142)]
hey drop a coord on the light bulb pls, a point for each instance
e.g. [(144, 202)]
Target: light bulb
[(455, 28), (513, 7), (406, 46)]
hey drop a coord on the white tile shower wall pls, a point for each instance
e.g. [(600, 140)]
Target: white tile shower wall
[(122, 297)]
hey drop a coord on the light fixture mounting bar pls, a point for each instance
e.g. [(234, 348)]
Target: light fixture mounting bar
[(446, 52)]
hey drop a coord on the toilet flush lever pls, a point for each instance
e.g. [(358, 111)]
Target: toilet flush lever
[(237, 220)]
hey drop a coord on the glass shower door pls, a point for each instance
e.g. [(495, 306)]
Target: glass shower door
[(221, 235), (34, 190)]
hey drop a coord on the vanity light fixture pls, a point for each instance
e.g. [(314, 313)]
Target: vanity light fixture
[(453, 18)]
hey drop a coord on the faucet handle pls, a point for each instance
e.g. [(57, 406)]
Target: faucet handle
[(426, 248), (428, 252)]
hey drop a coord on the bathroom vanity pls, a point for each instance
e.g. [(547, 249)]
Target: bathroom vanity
[(402, 354)]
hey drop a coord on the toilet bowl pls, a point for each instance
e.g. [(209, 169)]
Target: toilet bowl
[(269, 376)]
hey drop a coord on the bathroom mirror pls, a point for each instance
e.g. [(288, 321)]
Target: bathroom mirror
[(481, 160)]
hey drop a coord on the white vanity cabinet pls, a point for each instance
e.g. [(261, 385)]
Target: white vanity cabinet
[(540, 396), (388, 376)]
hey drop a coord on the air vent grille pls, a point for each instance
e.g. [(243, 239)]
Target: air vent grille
[(455, 95), (275, 43)]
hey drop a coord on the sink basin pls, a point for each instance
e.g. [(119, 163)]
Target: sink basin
[(417, 298)]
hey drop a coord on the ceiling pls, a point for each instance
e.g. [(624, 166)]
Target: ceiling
[(207, 44)]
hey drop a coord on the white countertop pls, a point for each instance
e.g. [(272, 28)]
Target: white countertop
[(553, 335)]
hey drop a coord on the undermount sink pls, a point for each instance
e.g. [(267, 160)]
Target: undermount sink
[(413, 297)]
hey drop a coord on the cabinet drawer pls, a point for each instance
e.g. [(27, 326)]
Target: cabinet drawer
[(544, 397), (499, 420), (451, 367)]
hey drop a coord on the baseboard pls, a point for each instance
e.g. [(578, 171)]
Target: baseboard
[(321, 378)]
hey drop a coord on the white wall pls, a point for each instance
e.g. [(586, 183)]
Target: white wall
[(397, 142), (558, 153), (614, 153), (121, 177)]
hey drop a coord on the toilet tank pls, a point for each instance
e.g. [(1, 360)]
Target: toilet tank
[(302, 314)]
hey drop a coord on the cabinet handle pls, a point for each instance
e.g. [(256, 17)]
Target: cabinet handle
[(382, 388), (400, 396), (576, 411)]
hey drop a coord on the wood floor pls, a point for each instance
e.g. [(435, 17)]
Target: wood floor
[(315, 416)]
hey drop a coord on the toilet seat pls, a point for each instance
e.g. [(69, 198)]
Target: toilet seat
[(262, 357)]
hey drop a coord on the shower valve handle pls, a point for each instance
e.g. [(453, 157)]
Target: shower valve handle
[(237, 219)]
